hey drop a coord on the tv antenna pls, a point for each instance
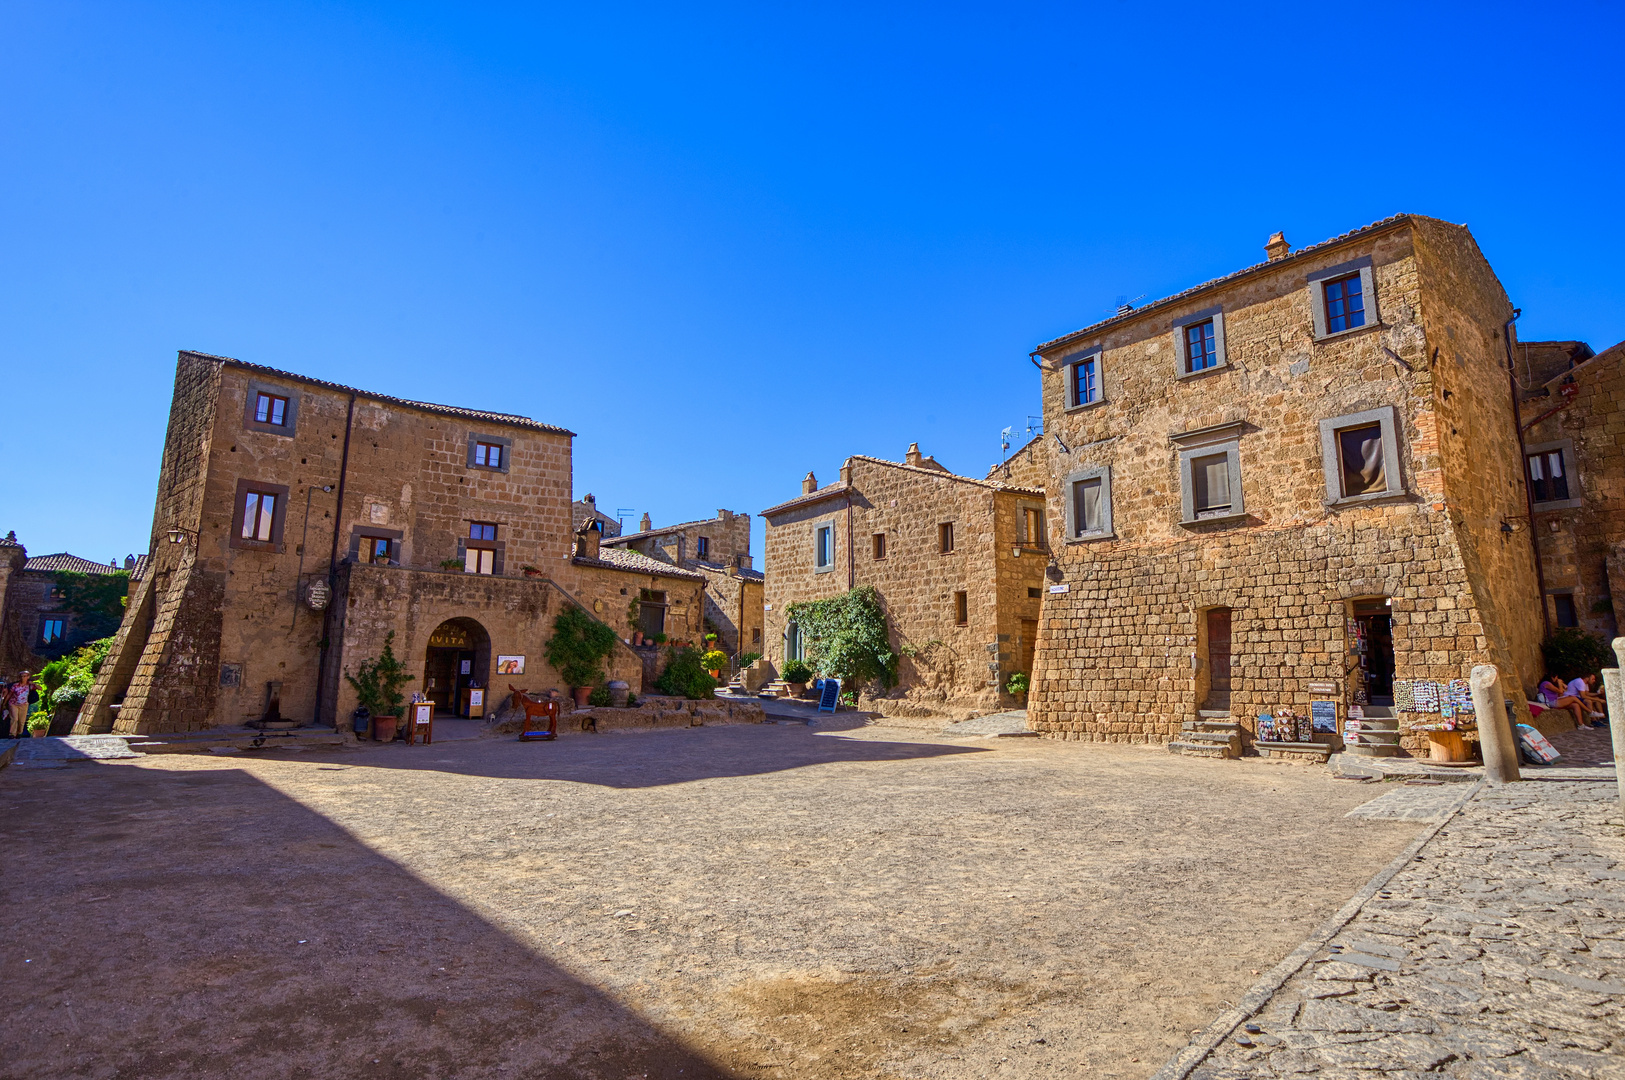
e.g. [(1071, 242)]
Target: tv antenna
[(620, 516)]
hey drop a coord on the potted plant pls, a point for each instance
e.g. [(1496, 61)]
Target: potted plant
[(577, 650), (796, 674), (39, 725), (531, 571), (378, 684), (714, 661), (637, 637), (1017, 686)]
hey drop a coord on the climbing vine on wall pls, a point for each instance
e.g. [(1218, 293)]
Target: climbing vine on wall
[(845, 636)]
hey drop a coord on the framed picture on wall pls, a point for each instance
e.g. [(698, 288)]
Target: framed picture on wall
[(510, 665)]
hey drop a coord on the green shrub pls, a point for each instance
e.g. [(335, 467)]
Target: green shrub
[(599, 697), (715, 660), (686, 676), (846, 637), (579, 646), (378, 682), (631, 700), (746, 659), (1571, 652), (1017, 683), (68, 679), (795, 671)]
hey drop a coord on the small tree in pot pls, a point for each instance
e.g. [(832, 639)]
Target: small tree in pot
[(577, 650), (378, 684)]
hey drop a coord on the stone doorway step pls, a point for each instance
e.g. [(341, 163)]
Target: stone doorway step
[(1377, 735), (1213, 734)]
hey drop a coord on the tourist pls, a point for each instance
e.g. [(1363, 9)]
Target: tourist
[(1584, 687), (17, 706), (1554, 694)]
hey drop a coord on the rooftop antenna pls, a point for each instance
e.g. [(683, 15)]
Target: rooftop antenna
[(1005, 436), (1035, 424), (1126, 305), (620, 516)]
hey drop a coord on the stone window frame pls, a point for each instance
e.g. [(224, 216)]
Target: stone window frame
[(490, 440), (1069, 365), (962, 607), (1024, 537), (498, 548), (877, 544), (290, 424), (1214, 314), (1317, 296), (1551, 600), (1387, 417), (1206, 442), (1566, 446), (373, 532), (826, 523), (945, 538), (278, 516), (1104, 474), (46, 618)]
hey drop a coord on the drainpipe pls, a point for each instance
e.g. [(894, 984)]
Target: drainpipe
[(851, 556), (1523, 467), (333, 562)]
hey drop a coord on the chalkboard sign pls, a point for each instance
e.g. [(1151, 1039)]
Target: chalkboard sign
[(1324, 714), (829, 695)]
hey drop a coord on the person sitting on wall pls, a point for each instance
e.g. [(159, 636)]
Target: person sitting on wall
[(1554, 694), (1584, 687)]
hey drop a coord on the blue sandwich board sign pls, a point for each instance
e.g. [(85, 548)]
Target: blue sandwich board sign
[(829, 694)]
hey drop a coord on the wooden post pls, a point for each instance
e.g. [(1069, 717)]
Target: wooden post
[(1494, 730)]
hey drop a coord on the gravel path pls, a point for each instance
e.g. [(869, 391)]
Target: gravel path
[(765, 901)]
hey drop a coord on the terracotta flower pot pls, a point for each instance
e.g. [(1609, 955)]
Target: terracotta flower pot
[(581, 694), (383, 728), (637, 637), (39, 732)]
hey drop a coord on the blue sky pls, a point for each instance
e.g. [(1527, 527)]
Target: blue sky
[(725, 245)]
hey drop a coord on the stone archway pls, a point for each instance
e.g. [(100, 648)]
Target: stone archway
[(457, 657)]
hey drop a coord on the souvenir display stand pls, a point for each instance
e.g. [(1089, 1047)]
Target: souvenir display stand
[(1443, 711)]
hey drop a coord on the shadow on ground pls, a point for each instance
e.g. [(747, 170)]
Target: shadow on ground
[(171, 924), (702, 753)]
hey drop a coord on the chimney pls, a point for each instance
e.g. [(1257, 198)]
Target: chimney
[(645, 525), (913, 455), (588, 538), (846, 472), (587, 498), (809, 484), (1277, 247), (129, 562)]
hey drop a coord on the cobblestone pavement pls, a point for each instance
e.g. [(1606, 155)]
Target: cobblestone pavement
[(53, 752), (1497, 950)]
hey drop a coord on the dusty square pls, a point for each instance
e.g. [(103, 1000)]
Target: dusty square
[(760, 901)]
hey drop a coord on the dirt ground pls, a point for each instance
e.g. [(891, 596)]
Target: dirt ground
[(767, 901)]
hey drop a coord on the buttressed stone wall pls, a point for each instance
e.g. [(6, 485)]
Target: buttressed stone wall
[(1123, 654), (885, 522)]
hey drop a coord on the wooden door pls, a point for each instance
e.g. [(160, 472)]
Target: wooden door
[(1218, 650), (1029, 640)]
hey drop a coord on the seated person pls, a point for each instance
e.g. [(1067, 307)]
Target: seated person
[(1554, 694), (1584, 687)]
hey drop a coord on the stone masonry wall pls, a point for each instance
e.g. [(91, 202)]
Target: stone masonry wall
[(726, 535), (1122, 654)]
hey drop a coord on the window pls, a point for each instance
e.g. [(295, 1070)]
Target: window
[(270, 409), (1089, 504), (961, 608), (704, 547), (1199, 342), (1563, 608), (945, 537), (50, 630), (880, 545), (490, 452), (824, 548), (792, 642), (481, 530), (1034, 593), (479, 561), (1360, 456), (1552, 484), (1345, 304), (1032, 526), (1083, 380), (375, 549), (756, 635), (259, 516), (1210, 474), (1342, 299)]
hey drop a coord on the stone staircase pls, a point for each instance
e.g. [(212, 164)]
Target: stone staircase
[(1378, 733), (1213, 734), (778, 688)]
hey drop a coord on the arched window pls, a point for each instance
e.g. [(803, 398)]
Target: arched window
[(792, 642)]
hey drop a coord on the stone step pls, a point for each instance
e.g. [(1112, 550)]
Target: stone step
[(1213, 714), (1217, 738), (1201, 749), (1378, 712), (1374, 749), (1211, 725), (1322, 751)]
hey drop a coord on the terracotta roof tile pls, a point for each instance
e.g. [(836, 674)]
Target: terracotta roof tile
[(72, 563)]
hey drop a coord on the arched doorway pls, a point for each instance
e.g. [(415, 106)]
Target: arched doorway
[(457, 659)]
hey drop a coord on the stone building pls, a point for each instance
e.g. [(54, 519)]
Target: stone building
[(1573, 428), (299, 522), (37, 625), (586, 508), (958, 562), (719, 549), (1301, 479)]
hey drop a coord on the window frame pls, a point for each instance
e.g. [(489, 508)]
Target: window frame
[(1318, 280), (496, 546), (1103, 473), (1072, 364), (475, 438), (1215, 315), (878, 545), (47, 620), (1206, 442), (278, 516), (290, 425), (1331, 460), (1024, 532), (1557, 615), (819, 526), (962, 607), (1566, 448), (702, 547), (360, 533)]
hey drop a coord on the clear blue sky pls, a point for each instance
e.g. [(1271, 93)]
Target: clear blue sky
[(725, 244)]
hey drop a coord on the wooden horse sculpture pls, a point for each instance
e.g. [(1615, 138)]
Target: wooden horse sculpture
[(536, 711)]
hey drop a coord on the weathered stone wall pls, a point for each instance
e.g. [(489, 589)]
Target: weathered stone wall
[(733, 605), (944, 665), (14, 641), (1578, 544), (1121, 654), (727, 535)]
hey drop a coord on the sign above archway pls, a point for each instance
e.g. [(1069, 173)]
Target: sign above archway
[(449, 636)]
